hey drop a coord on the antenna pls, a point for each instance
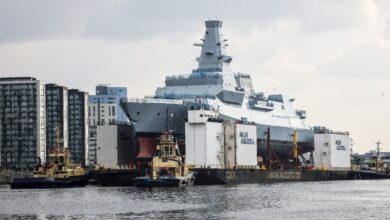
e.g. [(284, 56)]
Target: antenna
[(377, 156), (352, 144), (59, 141)]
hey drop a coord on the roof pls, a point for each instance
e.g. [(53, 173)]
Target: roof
[(17, 79)]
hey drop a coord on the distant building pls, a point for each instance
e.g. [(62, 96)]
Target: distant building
[(56, 114), (104, 109), (78, 125), (22, 122)]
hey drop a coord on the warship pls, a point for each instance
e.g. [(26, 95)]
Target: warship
[(214, 86)]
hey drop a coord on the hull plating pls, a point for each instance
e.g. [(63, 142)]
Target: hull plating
[(151, 119), (245, 176)]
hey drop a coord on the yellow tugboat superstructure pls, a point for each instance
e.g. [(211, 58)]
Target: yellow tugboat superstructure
[(59, 172), (60, 166), (167, 168)]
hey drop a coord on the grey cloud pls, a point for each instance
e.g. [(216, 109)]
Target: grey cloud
[(134, 21), (387, 28), (130, 20), (43, 19), (281, 43), (368, 59), (335, 15)]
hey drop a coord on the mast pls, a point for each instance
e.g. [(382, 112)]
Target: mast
[(59, 141), (213, 57), (377, 155), (167, 121)]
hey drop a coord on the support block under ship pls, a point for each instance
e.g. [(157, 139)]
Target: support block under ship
[(213, 86)]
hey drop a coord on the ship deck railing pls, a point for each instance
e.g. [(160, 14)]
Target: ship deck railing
[(154, 100)]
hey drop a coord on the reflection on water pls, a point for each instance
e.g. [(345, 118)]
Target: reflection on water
[(317, 200)]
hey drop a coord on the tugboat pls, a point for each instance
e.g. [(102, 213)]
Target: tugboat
[(374, 168), (58, 173), (168, 168)]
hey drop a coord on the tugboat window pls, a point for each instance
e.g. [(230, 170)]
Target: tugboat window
[(166, 151)]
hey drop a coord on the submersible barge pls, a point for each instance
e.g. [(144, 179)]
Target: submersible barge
[(206, 176)]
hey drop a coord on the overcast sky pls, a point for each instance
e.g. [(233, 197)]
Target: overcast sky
[(332, 56)]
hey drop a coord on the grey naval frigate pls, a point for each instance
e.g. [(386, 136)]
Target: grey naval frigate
[(215, 87)]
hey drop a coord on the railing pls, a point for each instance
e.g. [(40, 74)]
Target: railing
[(195, 75), (183, 76), (185, 96), (242, 75), (151, 100)]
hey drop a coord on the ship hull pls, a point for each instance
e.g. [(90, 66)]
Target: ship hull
[(156, 117), (44, 182), (150, 119), (207, 176)]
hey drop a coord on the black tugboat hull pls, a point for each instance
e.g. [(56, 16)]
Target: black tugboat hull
[(370, 175), (44, 182)]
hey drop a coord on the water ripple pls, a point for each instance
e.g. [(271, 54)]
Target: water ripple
[(312, 200)]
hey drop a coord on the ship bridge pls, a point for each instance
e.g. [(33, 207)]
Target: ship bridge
[(213, 76)]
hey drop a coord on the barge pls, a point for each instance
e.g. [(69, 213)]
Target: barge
[(207, 176), (116, 177)]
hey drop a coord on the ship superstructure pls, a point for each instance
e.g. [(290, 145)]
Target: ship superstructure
[(214, 87)]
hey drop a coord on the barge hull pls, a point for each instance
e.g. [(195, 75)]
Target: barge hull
[(208, 176), (116, 177)]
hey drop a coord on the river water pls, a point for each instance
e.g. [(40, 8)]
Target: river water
[(360, 199)]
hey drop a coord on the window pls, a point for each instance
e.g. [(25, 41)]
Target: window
[(113, 110)]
